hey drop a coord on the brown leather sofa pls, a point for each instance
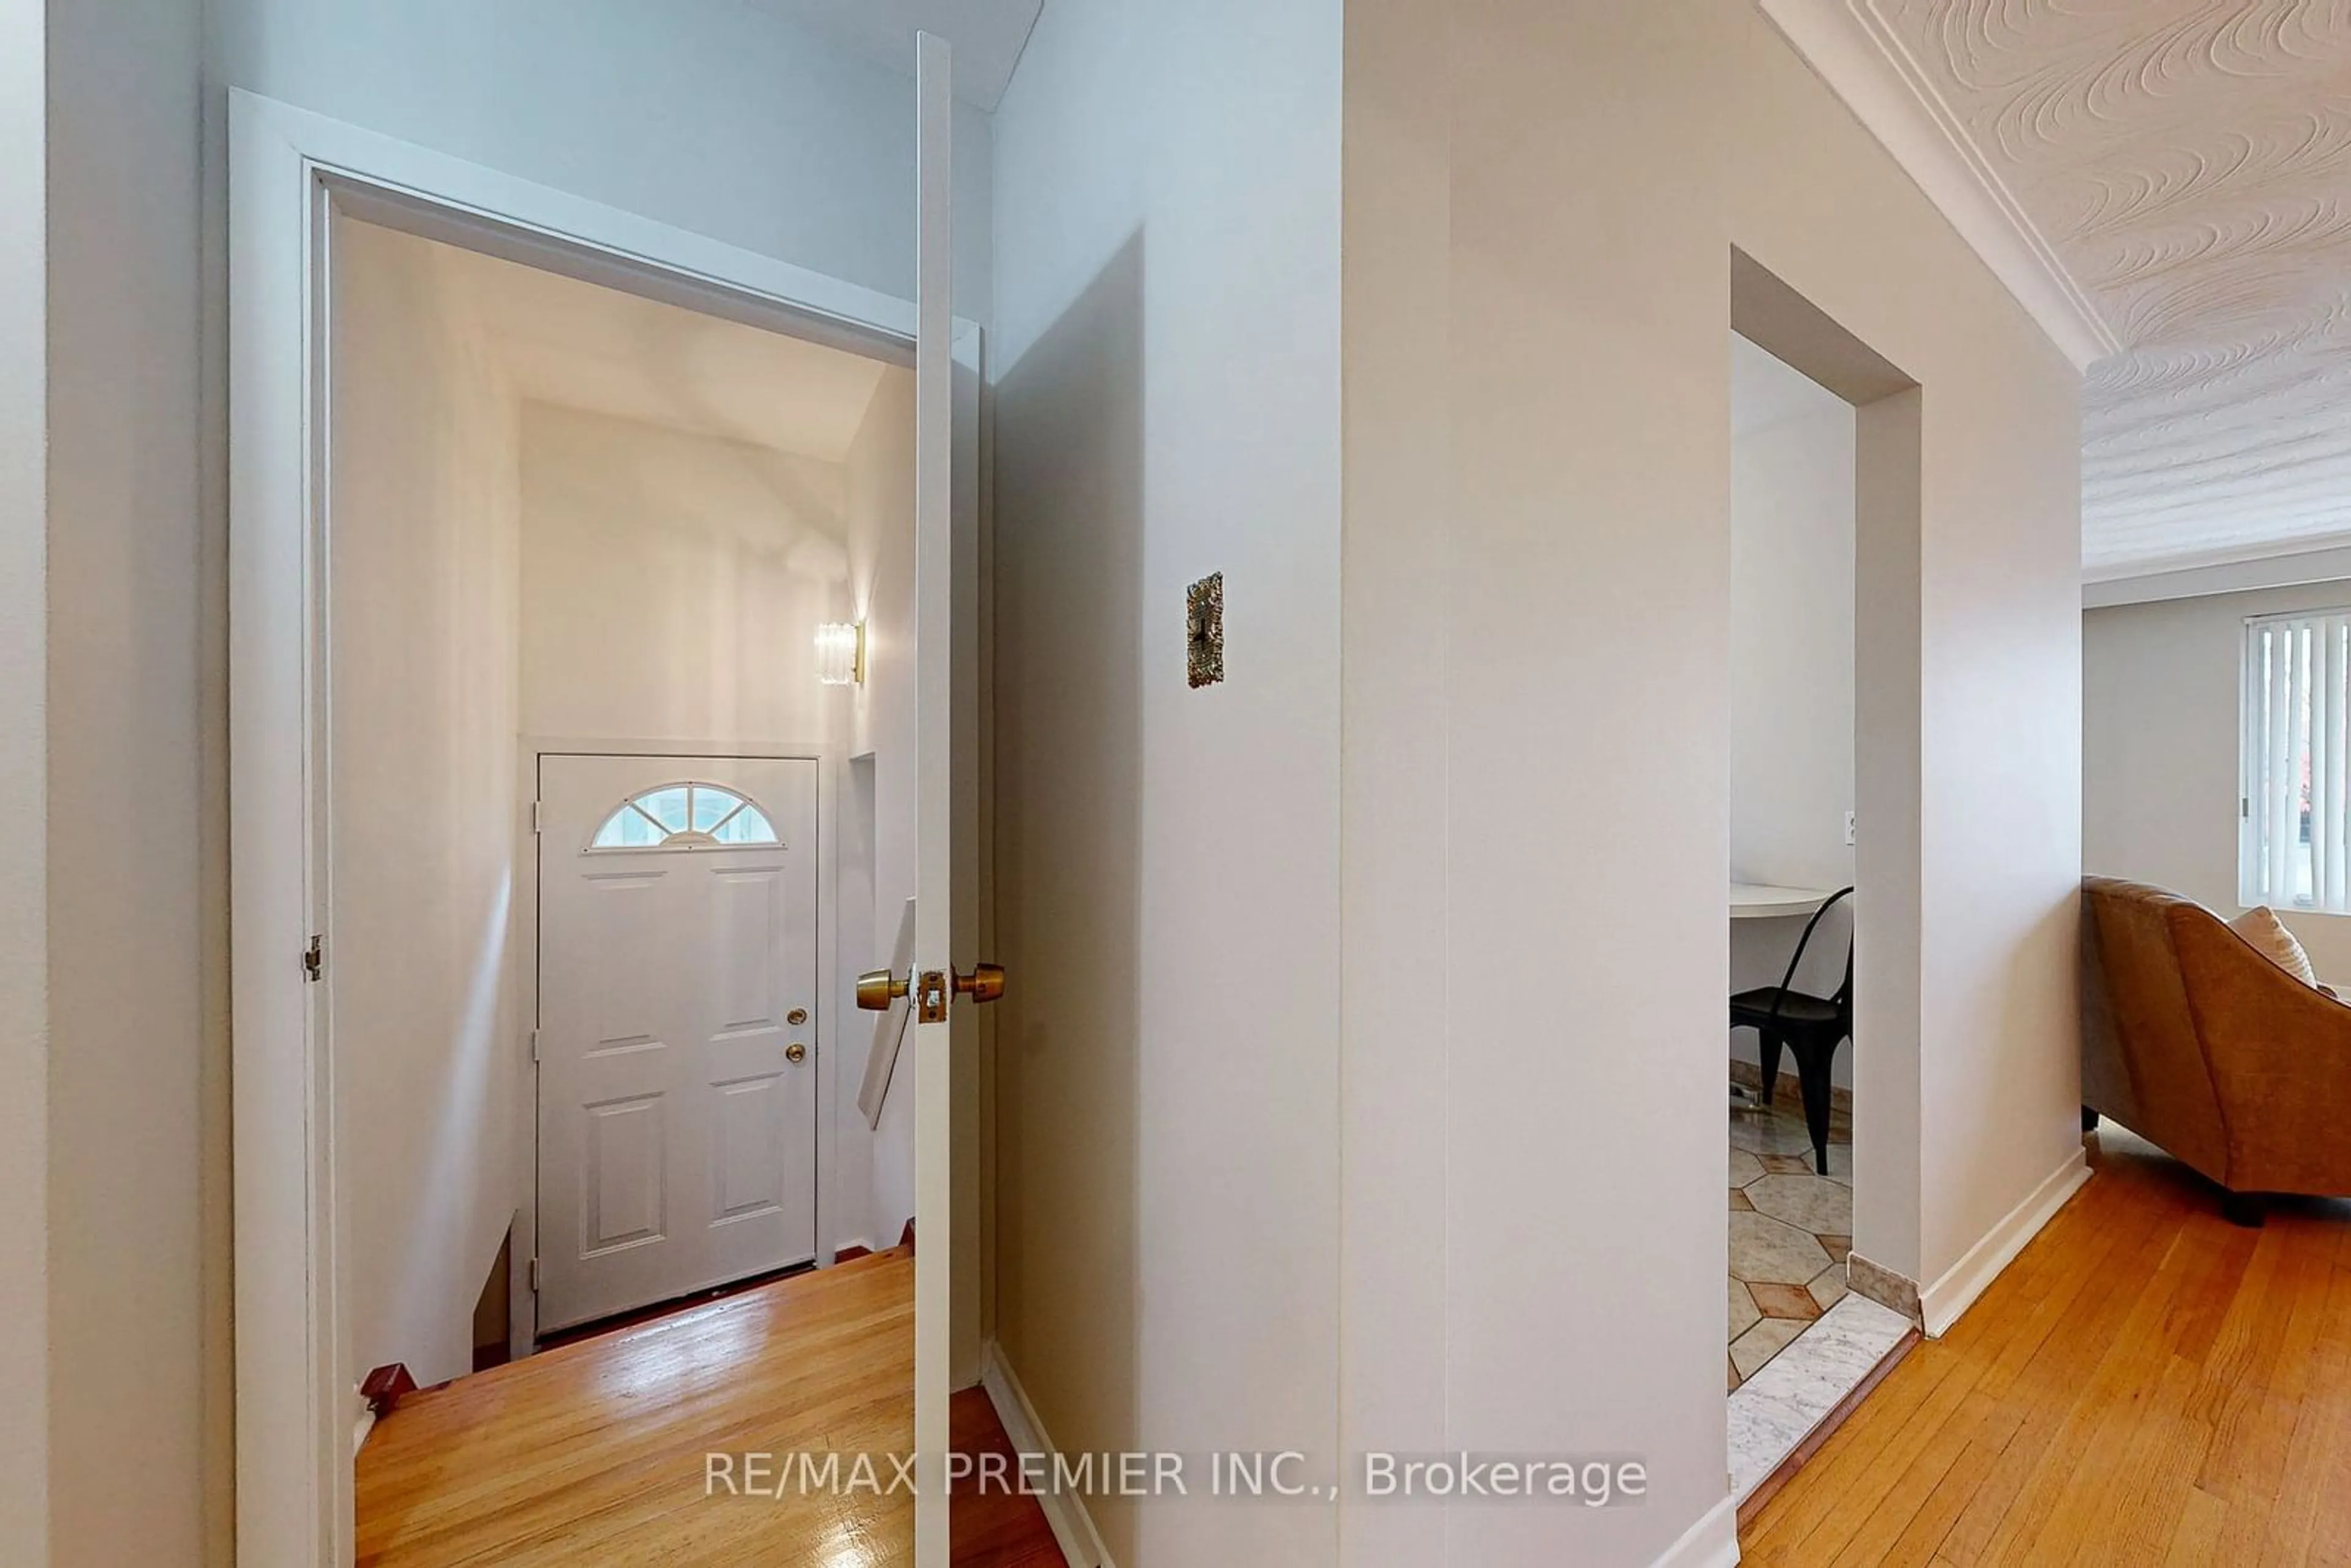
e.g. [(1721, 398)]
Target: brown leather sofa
[(2194, 1039)]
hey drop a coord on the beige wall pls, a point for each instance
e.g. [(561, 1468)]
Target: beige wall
[(421, 722), (1166, 405), (1540, 229), (672, 583), (2161, 686), (880, 536)]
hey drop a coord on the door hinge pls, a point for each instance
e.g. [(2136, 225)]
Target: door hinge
[(314, 958), (534, 1045), (538, 816), (534, 1276)]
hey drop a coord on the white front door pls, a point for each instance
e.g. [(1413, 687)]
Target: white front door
[(677, 997)]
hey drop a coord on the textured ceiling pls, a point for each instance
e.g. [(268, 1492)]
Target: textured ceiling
[(2190, 165)]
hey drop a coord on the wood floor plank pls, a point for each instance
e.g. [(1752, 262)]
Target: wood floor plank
[(2314, 1467), (2011, 1343), (2146, 1384), (597, 1452), (1924, 1539), (2196, 1538), (2049, 1390)]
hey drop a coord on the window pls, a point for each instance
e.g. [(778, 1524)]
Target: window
[(2294, 826), (688, 816)]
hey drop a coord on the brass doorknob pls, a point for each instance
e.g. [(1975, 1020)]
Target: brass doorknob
[(984, 984), (877, 988), (796, 1054)]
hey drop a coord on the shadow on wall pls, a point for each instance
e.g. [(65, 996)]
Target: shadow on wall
[(1069, 561)]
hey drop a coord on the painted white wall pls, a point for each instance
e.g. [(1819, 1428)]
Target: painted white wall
[(725, 120), (1540, 214), (423, 718), (2161, 704), (880, 536), (1165, 370), (138, 1240), (24, 776), (672, 583), (1791, 667)]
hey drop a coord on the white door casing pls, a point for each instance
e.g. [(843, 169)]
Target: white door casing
[(677, 1126)]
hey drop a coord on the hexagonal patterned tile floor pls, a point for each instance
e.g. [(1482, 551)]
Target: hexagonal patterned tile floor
[(1789, 1230)]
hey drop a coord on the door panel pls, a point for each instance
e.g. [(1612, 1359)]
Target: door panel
[(677, 1137), (624, 1173), (743, 940), (621, 910), (747, 1164)]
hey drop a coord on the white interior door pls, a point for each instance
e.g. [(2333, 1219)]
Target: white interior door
[(677, 995), (946, 371)]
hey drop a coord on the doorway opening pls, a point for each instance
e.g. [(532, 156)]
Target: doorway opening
[(584, 780), (1824, 874), (300, 601), (1793, 831)]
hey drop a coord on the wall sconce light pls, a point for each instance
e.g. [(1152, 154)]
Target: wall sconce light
[(841, 654)]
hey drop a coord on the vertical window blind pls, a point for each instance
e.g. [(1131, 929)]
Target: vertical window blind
[(2295, 821)]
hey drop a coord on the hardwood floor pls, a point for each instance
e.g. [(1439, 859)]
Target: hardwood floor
[(595, 1453), (2147, 1383)]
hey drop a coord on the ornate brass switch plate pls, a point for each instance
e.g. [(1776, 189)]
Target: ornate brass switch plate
[(1204, 631)]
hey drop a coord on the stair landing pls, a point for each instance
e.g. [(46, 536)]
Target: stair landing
[(597, 1452)]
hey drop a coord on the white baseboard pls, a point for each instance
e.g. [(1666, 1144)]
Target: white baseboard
[(1073, 1528), (1940, 1304), (1711, 1542)]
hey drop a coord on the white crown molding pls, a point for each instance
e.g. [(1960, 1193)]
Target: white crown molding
[(1866, 65), (2237, 574)]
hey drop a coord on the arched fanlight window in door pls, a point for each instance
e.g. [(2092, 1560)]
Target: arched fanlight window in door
[(689, 815)]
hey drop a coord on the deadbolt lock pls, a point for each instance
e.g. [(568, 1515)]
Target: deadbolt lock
[(984, 984), (797, 1017), (796, 1054)]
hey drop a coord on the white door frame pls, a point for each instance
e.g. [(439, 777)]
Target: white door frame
[(522, 1316), (289, 172)]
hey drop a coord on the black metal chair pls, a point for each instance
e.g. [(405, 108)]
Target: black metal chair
[(1810, 1027)]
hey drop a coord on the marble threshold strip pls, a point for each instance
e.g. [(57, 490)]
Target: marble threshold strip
[(1777, 1411)]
